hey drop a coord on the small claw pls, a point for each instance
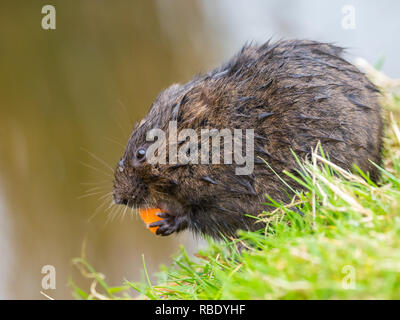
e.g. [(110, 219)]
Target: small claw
[(164, 231), (169, 224), (162, 215), (167, 233), (156, 224)]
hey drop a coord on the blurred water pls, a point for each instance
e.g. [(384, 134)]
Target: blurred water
[(82, 87), (376, 25), (78, 88)]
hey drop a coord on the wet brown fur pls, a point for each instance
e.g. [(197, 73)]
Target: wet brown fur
[(294, 93)]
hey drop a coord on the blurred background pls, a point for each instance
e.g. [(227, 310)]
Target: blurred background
[(69, 98)]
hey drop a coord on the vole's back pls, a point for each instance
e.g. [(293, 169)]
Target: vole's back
[(293, 94)]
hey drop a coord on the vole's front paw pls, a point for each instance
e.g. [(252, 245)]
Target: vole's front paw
[(169, 224)]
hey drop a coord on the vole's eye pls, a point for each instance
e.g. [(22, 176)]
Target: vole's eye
[(140, 153)]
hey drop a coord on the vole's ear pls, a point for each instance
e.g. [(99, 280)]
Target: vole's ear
[(194, 107)]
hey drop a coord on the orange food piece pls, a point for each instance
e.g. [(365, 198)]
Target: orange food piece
[(149, 216)]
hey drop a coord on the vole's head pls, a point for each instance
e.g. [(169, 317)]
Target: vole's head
[(130, 185), (138, 182)]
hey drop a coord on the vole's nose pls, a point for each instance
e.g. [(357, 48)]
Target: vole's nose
[(120, 199)]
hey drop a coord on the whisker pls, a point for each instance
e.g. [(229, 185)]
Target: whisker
[(123, 214), (106, 195), (129, 118), (96, 169), (96, 183), (120, 126), (97, 211), (89, 195), (93, 189), (115, 213), (114, 141), (109, 214), (98, 159)]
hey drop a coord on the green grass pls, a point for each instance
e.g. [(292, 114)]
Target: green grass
[(346, 246)]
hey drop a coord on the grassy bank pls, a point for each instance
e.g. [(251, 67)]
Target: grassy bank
[(346, 246)]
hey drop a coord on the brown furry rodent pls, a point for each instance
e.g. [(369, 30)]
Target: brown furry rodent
[(293, 93)]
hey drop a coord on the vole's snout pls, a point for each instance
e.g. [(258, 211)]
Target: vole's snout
[(129, 189), (124, 196), (121, 191), (118, 199)]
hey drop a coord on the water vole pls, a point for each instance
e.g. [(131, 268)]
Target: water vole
[(293, 93)]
